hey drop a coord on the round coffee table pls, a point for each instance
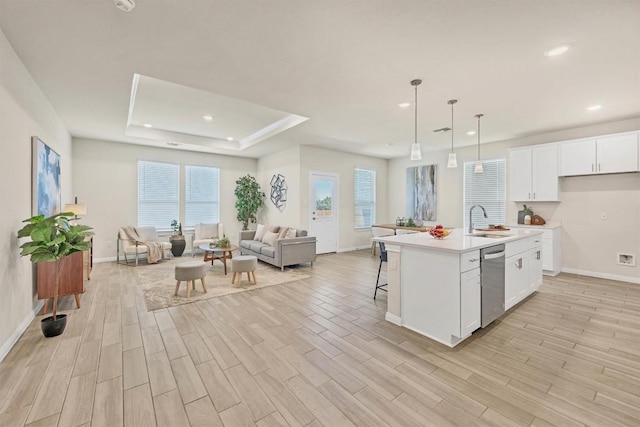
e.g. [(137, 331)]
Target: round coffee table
[(222, 254)]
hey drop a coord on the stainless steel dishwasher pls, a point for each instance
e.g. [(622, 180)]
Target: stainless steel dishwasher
[(492, 283)]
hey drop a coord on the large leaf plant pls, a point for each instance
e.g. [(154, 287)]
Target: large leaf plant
[(52, 240)]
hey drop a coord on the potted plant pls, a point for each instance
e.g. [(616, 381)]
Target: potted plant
[(53, 239), (177, 240), (249, 199), (224, 242)]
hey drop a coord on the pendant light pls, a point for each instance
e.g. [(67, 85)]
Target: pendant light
[(479, 168), (453, 161), (415, 147)]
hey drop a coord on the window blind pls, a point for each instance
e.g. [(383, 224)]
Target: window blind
[(364, 197), (158, 194), (487, 189), (201, 195)]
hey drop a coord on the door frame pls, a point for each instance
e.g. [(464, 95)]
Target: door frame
[(336, 203)]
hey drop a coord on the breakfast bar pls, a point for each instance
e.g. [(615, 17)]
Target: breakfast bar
[(446, 289)]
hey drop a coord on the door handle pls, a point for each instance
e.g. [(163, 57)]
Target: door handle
[(314, 218), (519, 264), (537, 254), (494, 256)]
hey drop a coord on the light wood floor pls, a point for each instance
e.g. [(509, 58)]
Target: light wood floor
[(318, 352)]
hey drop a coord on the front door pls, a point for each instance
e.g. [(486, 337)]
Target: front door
[(323, 210)]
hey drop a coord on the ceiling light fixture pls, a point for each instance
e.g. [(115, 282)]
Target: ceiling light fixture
[(594, 107), (125, 5), (453, 161), (404, 105), (415, 147), (207, 117), (147, 125), (229, 138), (559, 50), (479, 168), (471, 132)]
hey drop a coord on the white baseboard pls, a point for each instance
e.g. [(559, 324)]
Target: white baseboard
[(15, 336), (355, 248), (601, 275), (393, 319), (107, 259)]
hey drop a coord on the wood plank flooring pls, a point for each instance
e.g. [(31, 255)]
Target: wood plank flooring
[(318, 352)]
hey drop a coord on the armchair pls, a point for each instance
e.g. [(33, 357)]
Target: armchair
[(134, 248), (205, 233)]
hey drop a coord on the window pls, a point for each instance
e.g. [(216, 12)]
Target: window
[(201, 195), (158, 194), (364, 198), (487, 189)]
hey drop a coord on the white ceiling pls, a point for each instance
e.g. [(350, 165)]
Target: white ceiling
[(345, 65)]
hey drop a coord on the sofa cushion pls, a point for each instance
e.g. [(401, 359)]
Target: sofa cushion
[(256, 246), (246, 244), (269, 251), (282, 233), (291, 233), (147, 234), (261, 229), (269, 238)]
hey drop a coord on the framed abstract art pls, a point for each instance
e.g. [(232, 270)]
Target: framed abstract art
[(47, 196)]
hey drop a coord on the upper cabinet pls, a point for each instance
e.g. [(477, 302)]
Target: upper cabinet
[(534, 173), (607, 154)]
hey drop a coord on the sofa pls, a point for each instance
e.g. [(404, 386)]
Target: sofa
[(282, 250), (134, 249), (205, 233)]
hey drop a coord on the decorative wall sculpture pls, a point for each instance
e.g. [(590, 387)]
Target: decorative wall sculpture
[(279, 192), (421, 193), (47, 195)]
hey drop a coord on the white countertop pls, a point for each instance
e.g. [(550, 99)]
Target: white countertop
[(547, 226), (459, 241)]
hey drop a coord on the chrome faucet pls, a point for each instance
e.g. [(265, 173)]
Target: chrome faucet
[(471, 218)]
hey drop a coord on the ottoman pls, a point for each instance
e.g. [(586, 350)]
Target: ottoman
[(242, 264), (189, 272)]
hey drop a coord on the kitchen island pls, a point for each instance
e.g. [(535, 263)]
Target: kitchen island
[(434, 286)]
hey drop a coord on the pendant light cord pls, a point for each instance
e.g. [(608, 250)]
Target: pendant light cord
[(452, 125), (478, 116), (415, 119)]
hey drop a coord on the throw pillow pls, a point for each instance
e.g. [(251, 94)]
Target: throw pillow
[(270, 238), (260, 229), (291, 233), (283, 232)]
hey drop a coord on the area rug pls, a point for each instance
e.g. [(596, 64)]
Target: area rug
[(158, 283)]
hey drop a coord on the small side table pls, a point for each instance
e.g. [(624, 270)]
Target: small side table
[(222, 254)]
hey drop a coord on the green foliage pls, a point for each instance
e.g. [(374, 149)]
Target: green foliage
[(323, 204), (249, 199), (411, 223), (52, 239), (528, 211), (176, 227), (224, 242)]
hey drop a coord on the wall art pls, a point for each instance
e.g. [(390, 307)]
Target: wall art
[(421, 193), (279, 192), (46, 192)]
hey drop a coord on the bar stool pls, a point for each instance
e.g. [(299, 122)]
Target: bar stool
[(383, 258)]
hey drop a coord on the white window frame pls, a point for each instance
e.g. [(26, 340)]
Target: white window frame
[(161, 220), (495, 177), (215, 202), (359, 204)]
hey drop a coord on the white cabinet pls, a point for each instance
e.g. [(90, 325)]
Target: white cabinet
[(551, 248), (607, 154), (534, 173), (516, 279), (469, 302)]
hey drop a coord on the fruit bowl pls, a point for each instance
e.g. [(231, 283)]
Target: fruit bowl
[(439, 232)]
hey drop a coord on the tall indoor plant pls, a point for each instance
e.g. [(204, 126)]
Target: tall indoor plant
[(249, 199), (52, 240)]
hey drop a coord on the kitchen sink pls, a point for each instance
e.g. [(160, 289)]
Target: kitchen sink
[(489, 235)]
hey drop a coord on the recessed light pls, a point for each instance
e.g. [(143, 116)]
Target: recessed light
[(229, 138), (207, 117), (559, 50), (148, 125), (404, 105), (471, 132), (595, 107), (388, 144)]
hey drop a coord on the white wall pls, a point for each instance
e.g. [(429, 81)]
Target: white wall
[(24, 112), (105, 179), (287, 164), (589, 244), (344, 164)]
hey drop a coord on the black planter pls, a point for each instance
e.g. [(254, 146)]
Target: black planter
[(53, 328), (177, 245)]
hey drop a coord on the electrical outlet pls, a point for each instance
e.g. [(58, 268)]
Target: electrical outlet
[(603, 216)]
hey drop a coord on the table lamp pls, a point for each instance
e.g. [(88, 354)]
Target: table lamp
[(76, 209)]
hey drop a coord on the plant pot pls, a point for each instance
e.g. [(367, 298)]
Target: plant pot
[(178, 245), (53, 328)]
